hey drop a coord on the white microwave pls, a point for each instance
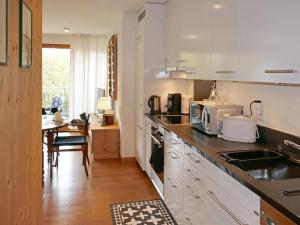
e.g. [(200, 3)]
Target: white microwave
[(206, 116)]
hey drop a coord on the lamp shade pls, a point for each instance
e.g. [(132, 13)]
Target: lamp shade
[(104, 103)]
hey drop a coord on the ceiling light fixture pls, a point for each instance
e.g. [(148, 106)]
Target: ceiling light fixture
[(217, 6), (66, 29)]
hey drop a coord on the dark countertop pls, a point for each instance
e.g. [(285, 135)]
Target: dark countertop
[(269, 191)]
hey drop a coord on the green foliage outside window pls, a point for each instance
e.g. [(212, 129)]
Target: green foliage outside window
[(56, 73)]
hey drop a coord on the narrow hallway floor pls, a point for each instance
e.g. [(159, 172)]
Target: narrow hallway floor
[(73, 199)]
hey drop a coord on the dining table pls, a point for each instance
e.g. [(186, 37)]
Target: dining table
[(50, 127)]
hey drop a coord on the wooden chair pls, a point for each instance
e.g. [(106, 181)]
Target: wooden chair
[(72, 137)]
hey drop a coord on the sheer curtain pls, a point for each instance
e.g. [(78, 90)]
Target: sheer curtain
[(88, 72)]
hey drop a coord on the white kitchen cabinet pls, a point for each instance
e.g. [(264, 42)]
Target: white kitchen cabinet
[(221, 199), (198, 192), (173, 176), (140, 147), (148, 144), (148, 41), (174, 32), (187, 36), (269, 40), (173, 195), (224, 51), (235, 40)]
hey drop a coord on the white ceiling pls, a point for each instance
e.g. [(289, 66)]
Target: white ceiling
[(85, 16)]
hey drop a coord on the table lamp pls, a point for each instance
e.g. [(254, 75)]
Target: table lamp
[(105, 104)]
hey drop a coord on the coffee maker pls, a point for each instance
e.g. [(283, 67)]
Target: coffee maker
[(174, 104)]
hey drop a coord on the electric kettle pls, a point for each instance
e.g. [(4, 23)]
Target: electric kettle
[(154, 105)]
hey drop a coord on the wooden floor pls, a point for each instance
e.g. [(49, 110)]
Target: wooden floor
[(73, 199)]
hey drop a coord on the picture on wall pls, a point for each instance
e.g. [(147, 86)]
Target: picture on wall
[(3, 32), (26, 36)]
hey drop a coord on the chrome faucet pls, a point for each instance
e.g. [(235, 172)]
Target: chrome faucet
[(292, 144)]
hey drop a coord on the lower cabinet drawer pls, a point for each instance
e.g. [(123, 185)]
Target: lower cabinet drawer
[(225, 203), (173, 197), (194, 178), (194, 157), (174, 164), (194, 208), (233, 188)]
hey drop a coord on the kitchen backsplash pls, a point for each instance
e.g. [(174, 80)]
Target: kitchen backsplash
[(281, 104)]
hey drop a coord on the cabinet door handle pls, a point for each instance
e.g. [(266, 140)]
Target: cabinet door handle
[(154, 139), (191, 192), (212, 195), (189, 172), (225, 71), (173, 155), (188, 221), (189, 155), (181, 61), (281, 71), (171, 182)]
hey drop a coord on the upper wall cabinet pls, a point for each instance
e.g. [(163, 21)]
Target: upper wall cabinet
[(174, 32), (187, 36), (269, 37), (236, 40), (224, 55)]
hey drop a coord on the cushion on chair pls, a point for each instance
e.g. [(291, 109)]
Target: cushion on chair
[(68, 140)]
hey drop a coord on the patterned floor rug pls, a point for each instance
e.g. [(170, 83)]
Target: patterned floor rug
[(153, 212)]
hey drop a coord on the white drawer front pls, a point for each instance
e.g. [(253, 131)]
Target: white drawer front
[(173, 165), (231, 206), (173, 197), (173, 140), (194, 157), (194, 178), (194, 208), (236, 190)]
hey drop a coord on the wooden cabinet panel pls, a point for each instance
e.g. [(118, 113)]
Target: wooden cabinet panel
[(105, 140), (272, 216), (106, 144), (20, 129)]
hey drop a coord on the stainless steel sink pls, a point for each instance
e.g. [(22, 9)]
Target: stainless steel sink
[(269, 169), (250, 154), (263, 164)]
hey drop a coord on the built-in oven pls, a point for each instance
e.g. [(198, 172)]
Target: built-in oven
[(157, 157)]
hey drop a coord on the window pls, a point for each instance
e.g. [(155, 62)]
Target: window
[(55, 83)]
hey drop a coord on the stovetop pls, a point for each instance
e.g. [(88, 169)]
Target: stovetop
[(174, 119)]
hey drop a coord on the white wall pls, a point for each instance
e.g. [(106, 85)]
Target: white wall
[(56, 38), (125, 106), (281, 103)]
